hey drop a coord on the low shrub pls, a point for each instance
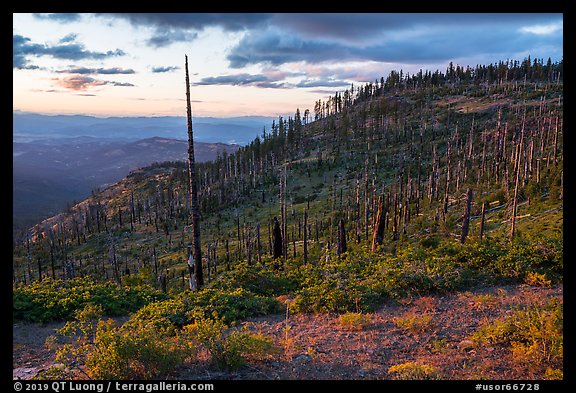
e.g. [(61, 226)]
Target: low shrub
[(354, 320), (413, 370), (231, 306), (259, 280), (145, 348), (533, 335), (414, 323), (228, 350), (102, 350), (49, 300)]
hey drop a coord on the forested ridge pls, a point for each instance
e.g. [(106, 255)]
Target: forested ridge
[(412, 185)]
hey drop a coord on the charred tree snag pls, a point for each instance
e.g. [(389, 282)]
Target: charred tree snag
[(482, 215), (517, 178), (227, 256), (305, 251), (258, 244), (341, 238), (284, 218), (379, 224), (466, 220), (447, 189), (198, 274), (191, 269), (163, 282), (278, 248)]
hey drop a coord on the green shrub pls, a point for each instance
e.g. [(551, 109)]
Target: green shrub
[(335, 296), (363, 279), (228, 350), (536, 279), (102, 350), (48, 300), (354, 320), (534, 335), (166, 316), (430, 242), (256, 279), (554, 374), (231, 306), (234, 305), (413, 370), (414, 323)]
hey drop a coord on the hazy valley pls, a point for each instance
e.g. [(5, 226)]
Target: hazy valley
[(61, 159)]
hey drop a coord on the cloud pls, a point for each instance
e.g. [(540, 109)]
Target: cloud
[(235, 80), (368, 28), (19, 49), (100, 71), (389, 38), (23, 47), (183, 27), (542, 29), (164, 69), (323, 83), (276, 47), (165, 37), (265, 81), (81, 83), (194, 21), (78, 82), (62, 18), (256, 80), (121, 84), (323, 91), (275, 39), (68, 38)]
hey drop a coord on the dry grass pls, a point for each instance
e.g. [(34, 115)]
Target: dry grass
[(414, 323), (354, 320)]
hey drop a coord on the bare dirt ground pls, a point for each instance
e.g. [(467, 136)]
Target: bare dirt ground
[(318, 347), (29, 354)]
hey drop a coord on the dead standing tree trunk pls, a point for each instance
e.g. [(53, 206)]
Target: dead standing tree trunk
[(342, 248), (196, 245), (112, 258), (517, 174), (379, 225), (284, 218), (29, 258), (305, 251), (482, 216), (278, 248), (466, 220)]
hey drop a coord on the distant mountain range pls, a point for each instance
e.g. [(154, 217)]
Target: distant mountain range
[(61, 158), (241, 130), (48, 175)]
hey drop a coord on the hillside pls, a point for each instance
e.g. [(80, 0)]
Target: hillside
[(430, 186), (48, 175)]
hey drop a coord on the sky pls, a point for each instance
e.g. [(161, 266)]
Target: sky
[(247, 64)]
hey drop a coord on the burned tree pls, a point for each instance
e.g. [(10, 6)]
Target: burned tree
[(191, 269), (305, 237), (466, 218), (379, 225), (517, 176), (482, 216), (342, 248), (197, 272), (277, 246)]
